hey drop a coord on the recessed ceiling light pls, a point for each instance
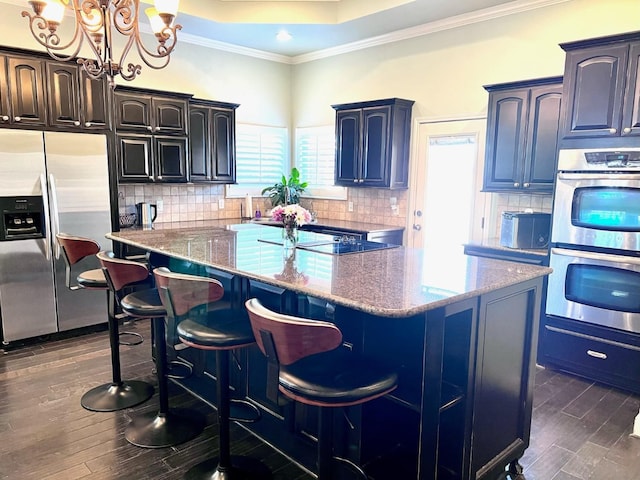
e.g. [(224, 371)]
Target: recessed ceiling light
[(283, 36)]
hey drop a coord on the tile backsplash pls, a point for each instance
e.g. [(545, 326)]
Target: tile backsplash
[(202, 202)]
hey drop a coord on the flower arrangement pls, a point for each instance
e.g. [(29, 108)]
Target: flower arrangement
[(291, 217)]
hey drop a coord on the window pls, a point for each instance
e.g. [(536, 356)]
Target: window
[(315, 158), (261, 158)]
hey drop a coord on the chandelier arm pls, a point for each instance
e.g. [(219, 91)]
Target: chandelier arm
[(50, 40)]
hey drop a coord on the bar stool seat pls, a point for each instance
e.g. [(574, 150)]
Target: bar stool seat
[(220, 330), (310, 368), (118, 394), (166, 427)]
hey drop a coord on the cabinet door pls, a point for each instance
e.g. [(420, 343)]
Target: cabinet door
[(199, 145), (594, 87), (542, 138), (631, 110), (26, 84), (223, 145), (506, 124), (5, 113), (133, 112), (63, 91), (169, 116), (94, 103), (134, 158), (348, 147), (375, 146), (170, 155)]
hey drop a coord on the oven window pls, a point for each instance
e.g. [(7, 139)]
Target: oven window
[(607, 208), (604, 287)]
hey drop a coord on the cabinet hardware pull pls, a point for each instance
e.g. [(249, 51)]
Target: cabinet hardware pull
[(17, 119), (613, 131), (355, 180), (598, 355), (76, 123), (516, 184), (526, 185), (157, 129), (87, 124), (626, 130), (150, 128), (5, 118)]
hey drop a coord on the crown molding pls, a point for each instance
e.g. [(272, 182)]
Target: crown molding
[(458, 21)]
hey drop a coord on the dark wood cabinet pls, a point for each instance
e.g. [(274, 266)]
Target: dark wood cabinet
[(212, 152), (95, 103), (372, 143), (151, 135), (5, 113), (522, 135), (26, 91), (602, 88), (63, 94), (151, 158), (152, 113)]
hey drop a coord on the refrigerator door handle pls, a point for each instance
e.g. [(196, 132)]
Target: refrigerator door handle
[(54, 214), (47, 233)]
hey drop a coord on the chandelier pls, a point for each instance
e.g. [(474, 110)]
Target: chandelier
[(95, 22)]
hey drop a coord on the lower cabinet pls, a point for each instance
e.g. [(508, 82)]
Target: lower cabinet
[(598, 353)]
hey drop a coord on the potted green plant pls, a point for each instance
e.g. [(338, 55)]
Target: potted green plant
[(286, 191)]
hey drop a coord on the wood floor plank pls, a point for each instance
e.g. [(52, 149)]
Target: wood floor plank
[(580, 430)]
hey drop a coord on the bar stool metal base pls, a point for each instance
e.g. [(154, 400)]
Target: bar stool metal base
[(159, 430), (111, 397), (243, 468)]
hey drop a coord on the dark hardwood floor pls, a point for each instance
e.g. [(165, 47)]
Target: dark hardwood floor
[(580, 429)]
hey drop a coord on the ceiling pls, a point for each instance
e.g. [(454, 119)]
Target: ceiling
[(321, 28), (318, 26)]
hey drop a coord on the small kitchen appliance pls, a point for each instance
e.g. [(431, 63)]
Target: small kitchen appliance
[(525, 230), (146, 214)]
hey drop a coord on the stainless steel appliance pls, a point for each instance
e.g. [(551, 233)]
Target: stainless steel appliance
[(61, 182), (525, 229), (595, 239)]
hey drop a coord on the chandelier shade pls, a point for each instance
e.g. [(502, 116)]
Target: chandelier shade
[(95, 23)]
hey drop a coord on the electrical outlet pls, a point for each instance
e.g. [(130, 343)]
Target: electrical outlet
[(159, 206), (393, 201), (350, 206), (221, 203)]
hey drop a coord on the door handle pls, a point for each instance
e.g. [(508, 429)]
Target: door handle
[(417, 227), (47, 231), (54, 213)]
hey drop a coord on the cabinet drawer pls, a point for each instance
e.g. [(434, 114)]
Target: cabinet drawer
[(599, 359)]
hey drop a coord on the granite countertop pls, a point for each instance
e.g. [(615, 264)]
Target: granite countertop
[(397, 282)]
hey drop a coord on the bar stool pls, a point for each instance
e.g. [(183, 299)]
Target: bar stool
[(219, 329), (118, 394), (166, 427), (312, 370)]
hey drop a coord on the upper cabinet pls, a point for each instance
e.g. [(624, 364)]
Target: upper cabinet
[(46, 93), (522, 135), (152, 113), (212, 151), (372, 143), (602, 88), (25, 92)]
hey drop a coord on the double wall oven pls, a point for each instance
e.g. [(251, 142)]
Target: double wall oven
[(595, 256)]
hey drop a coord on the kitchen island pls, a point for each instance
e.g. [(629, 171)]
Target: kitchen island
[(460, 331)]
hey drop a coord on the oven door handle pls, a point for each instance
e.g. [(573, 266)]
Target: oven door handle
[(565, 252), (597, 176)]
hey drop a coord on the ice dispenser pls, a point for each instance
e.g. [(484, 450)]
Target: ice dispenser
[(22, 218)]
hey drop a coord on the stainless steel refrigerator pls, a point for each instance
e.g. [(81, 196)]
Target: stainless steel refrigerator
[(67, 175)]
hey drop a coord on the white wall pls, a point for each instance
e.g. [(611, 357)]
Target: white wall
[(444, 72)]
